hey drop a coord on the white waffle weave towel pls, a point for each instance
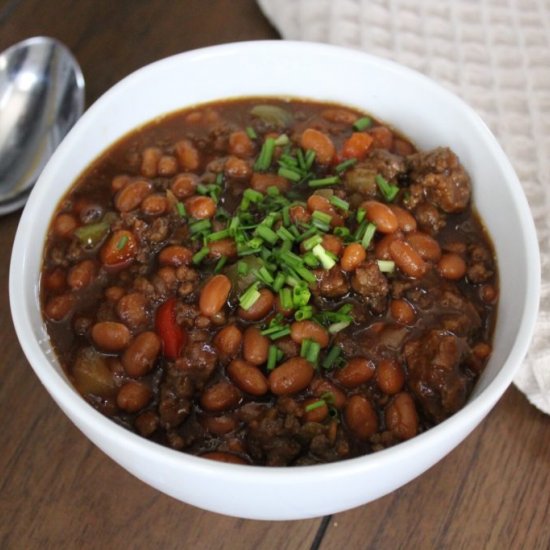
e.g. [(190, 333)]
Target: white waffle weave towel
[(495, 54)]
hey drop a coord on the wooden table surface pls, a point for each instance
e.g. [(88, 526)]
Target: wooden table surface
[(58, 491)]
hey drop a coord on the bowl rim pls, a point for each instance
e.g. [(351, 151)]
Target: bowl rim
[(67, 397)]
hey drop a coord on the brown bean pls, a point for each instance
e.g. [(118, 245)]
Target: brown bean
[(219, 456), (131, 196), (184, 185), (322, 204), (382, 247), (247, 377), (407, 259), (425, 245), (238, 168), (64, 225), (82, 274), (175, 255), (59, 307), (228, 341), (262, 182), (188, 155), (120, 181), (451, 266), (255, 346), (320, 143), (390, 376), (223, 247), (382, 137), (298, 213), (381, 215), (132, 309), (114, 293), (200, 207), (149, 162), (214, 295), (321, 387), (240, 144), (310, 330), (55, 280), (339, 115), (219, 425), (110, 336), (401, 416), (291, 376), (361, 417), (133, 396), (357, 371), (402, 147), (488, 293), (260, 308), (482, 350), (402, 312), (140, 356), (220, 397), (167, 165), (405, 219), (147, 423), (154, 205), (316, 414), (353, 255), (332, 244)]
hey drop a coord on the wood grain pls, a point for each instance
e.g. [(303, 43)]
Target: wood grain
[(58, 491)]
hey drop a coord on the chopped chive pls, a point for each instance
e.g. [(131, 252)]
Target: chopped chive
[(202, 189), (280, 333), (285, 298), (266, 155), (322, 255), (255, 243), (219, 179), (311, 231), (369, 234), (286, 216), (331, 357), (306, 275), (285, 234), (313, 352), (289, 174), (273, 191), (305, 312), (388, 190), (339, 203), (309, 158), (233, 225), (221, 262), (291, 259), (250, 296), (200, 226), (286, 246), (251, 133), (292, 278), (253, 195), (272, 329), (301, 160), (331, 180), (282, 140), (321, 216), (265, 276), (343, 232), (360, 231), (218, 235), (272, 357), (360, 216), (362, 123), (200, 255), (287, 160), (122, 242), (266, 234), (337, 327), (312, 241), (386, 266), (304, 348), (181, 209), (278, 282), (310, 259), (343, 166), (300, 295), (315, 405)]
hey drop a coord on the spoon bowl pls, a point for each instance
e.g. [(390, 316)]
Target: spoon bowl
[(41, 97)]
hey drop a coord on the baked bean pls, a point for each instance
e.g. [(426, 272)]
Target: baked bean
[(221, 396), (114, 293), (175, 255), (382, 137), (184, 185), (82, 274), (59, 307), (357, 371), (339, 115), (320, 143), (214, 295), (298, 213), (219, 456), (310, 330), (219, 425), (382, 247), (482, 350), (140, 356), (167, 165), (262, 182), (316, 414), (321, 204), (402, 147), (131, 196), (149, 162), (332, 244), (247, 377), (119, 250), (279, 308), (147, 423), (361, 417), (357, 146), (401, 416), (228, 341), (405, 219), (55, 280), (240, 144), (223, 247), (132, 309), (110, 336), (64, 225), (321, 387), (488, 293), (133, 396), (188, 155), (407, 259), (120, 181), (200, 207), (236, 167), (381, 215), (402, 312), (390, 376), (260, 308), (425, 245), (354, 254), (154, 205), (255, 346), (291, 376), (451, 266)]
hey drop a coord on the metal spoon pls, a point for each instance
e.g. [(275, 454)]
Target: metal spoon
[(41, 97)]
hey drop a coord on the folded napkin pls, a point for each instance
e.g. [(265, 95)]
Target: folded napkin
[(495, 54)]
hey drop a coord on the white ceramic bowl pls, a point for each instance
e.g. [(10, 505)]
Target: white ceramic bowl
[(405, 99)]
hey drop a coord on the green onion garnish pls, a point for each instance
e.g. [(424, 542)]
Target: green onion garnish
[(278, 282), (337, 327), (304, 348), (289, 174), (360, 216), (305, 312), (252, 195), (200, 255), (285, 298), (285, 234), (313, 351), (122, 242), (250, 296), (300, 295), (386, 266), (242, 268), (181, 209), (312, 241), (331, 357), (218, 235), (251, 133), (272, 357), (362, 123), (368, 235), (282, 140), (305, 274), (219, 265), (315, 405), (331, 180), (280, 333), (388, 190), (322, 255), (343, 166), (266, 234), (263, 161), (339, 203), (200, 226)]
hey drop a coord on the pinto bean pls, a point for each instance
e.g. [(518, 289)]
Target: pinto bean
[(133, 396), (236, 167), (333, 244), (64, 225), (390, 376), (141, 354), (154, 205), (381, 215), (260, 308), (354, 254), (451, 266), (321, 386), (401, 416), (167, 165), (361, 417), (482, 350), (132, 309), (223, 247), (317, 414), (310, 330), (255, 346), (187, 154), (221, 396), (131, 196), (405, 219), (240, 144), (382, 137), (120, 181), (320, 143), (110, 336), (357, 371), (247, 377), (114, 293), (200, 207), (214, 295), (290, 377), (228, 341), (55, 280), (149, 162), (184, 185), (175, 255), (382, 247), (402, 312), (407, 259), (220, 456), (59, 307), (425, 245), (219, 425), (262, 182), (82, 274), (298, 213)]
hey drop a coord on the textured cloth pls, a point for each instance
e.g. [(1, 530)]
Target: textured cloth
[(495, 54)]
